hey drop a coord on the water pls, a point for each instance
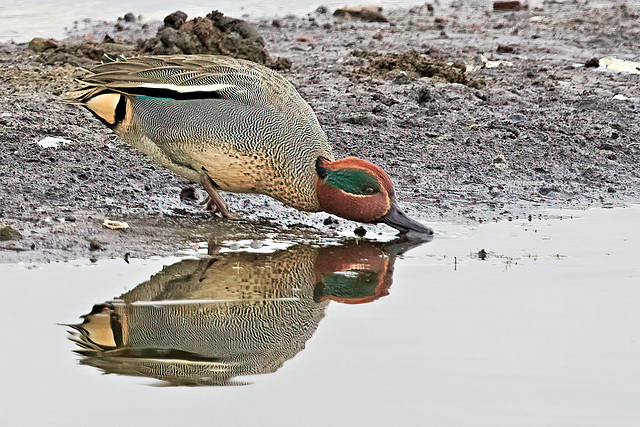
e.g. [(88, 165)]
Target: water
[(544, 331), (25, 19)]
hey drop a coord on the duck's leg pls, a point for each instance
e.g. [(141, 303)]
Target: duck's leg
[(214, 202)]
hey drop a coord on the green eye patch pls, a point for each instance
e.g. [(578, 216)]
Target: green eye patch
[(353, 181)]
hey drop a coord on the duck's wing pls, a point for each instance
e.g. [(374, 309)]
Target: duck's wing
[(188, 77)]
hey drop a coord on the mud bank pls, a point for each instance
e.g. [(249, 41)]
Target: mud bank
[(526, 126)]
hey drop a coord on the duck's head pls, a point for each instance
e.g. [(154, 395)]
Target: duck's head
[(358, 190)]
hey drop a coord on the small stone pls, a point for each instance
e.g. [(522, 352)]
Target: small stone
[(360, 231), (322, 10), (482, 254), (363, 13), (8, 233), (108, 39), (378, 35), (276, 23), (188, 193), (592, 63), (502, 48), (330, 220), (130, 17), (509, 5), (94, 245), (38, 44)]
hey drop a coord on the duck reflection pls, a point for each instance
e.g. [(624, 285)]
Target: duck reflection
[(208, 321)]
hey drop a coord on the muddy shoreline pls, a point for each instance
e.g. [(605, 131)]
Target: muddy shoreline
[(541, 130)]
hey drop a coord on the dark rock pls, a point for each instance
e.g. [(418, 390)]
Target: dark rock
[(482, 254), (509, 5), (94, 245), (321, 10), (188, 193), (175, 19), (592, 63), (330, 220), (360, 231), (108, 39), (276, 23), (424, 95), (504, 49), (130, 17)]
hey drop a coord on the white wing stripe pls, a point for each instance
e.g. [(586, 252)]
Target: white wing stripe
[(185, 89)]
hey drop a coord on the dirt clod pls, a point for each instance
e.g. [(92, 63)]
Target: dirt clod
[(39, 44), (363, 13), (8, 233), (214, 34), (414, 65)]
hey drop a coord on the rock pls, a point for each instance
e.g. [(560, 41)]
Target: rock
[(482, 254), (363, 13), (175, 19), (592, 63), (509, 5), (8, 233), (322, 10), (330, 220), (502, 48), (276, 23), (94, 245), (188, 193), (378, 36), (130, 17), (38, 44), (360, 231)]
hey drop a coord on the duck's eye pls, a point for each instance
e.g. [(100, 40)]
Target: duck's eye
[(369, 190)]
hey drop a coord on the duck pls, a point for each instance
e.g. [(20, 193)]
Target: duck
[(234, 125)]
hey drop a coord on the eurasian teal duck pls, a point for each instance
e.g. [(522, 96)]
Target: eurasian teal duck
[(234, 125)]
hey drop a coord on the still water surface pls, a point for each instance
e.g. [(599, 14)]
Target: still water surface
[(24, 19), (544, 331)]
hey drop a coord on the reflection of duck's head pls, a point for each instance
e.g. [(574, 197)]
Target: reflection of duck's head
[(207, 321), (354, 273)]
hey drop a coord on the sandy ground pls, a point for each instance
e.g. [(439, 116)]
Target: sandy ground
[(530, 127)]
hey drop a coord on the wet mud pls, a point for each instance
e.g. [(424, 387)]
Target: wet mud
[(539, 129)]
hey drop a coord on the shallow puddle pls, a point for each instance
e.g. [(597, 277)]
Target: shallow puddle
[(522, 322)]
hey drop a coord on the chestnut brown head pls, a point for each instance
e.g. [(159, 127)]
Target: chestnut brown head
[(358, 190)]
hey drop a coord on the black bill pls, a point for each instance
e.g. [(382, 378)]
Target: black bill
[(398, 220)]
